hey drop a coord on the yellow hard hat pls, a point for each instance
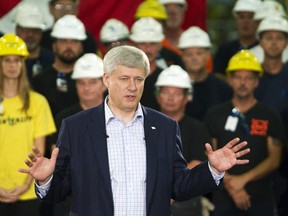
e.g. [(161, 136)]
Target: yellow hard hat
[(11, 44), (151, 8), (244, 60)]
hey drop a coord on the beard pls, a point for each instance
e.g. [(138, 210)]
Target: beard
[(68, 57), (32, 46)]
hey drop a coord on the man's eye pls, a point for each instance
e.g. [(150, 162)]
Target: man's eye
[(139, 80)]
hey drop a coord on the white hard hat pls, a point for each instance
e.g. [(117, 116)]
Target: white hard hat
[(269, 8), (28, 15), (69, 27), (88, 66), (276, 23), (182, 2), (146, 29), (194, 37), (246, 6), (174, 76), (113, 30)]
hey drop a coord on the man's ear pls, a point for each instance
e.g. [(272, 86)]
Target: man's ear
[(106, 80)]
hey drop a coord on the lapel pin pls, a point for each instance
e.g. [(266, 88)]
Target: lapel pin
[(153, 128)]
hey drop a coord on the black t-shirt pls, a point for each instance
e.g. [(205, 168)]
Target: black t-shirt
[(273, 91), (206, 94), (194, 135), (58, 98), (62, 115), (254, 126), (40, 64)]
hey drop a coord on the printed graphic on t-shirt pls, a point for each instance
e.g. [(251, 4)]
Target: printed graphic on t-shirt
[(259, 127), (11, 121)]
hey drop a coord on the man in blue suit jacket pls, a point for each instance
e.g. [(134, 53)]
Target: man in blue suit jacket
[(121, 158)]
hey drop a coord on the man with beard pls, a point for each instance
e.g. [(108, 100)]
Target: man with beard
[(55, 83), (29, 26), (248, 189)]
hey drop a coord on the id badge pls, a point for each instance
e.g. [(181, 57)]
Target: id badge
[(62, 85), (231, 123)]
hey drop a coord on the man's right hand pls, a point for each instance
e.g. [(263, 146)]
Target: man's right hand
[(40, 168)]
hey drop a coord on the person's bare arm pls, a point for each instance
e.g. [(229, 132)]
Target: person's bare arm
[(242, 199), (193, 163)]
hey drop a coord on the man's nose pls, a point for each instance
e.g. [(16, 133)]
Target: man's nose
[(132, 85)]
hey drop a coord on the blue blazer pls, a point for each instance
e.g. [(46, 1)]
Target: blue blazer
[(82, 167)]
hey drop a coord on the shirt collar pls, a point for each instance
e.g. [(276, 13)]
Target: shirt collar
[(109, 116)]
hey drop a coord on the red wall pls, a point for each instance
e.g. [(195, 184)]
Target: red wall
[(94, 13)]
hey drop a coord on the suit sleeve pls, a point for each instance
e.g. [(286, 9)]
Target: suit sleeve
[(61, 182), (190, 183)]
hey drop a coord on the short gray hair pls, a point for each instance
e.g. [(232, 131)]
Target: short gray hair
[(128, 56)]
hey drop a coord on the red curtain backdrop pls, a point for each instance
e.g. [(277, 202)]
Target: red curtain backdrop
[(94, 13), (6, 6), (195, 14)]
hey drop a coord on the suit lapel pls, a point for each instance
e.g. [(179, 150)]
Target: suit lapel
[(97, 133), (151, 135)]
